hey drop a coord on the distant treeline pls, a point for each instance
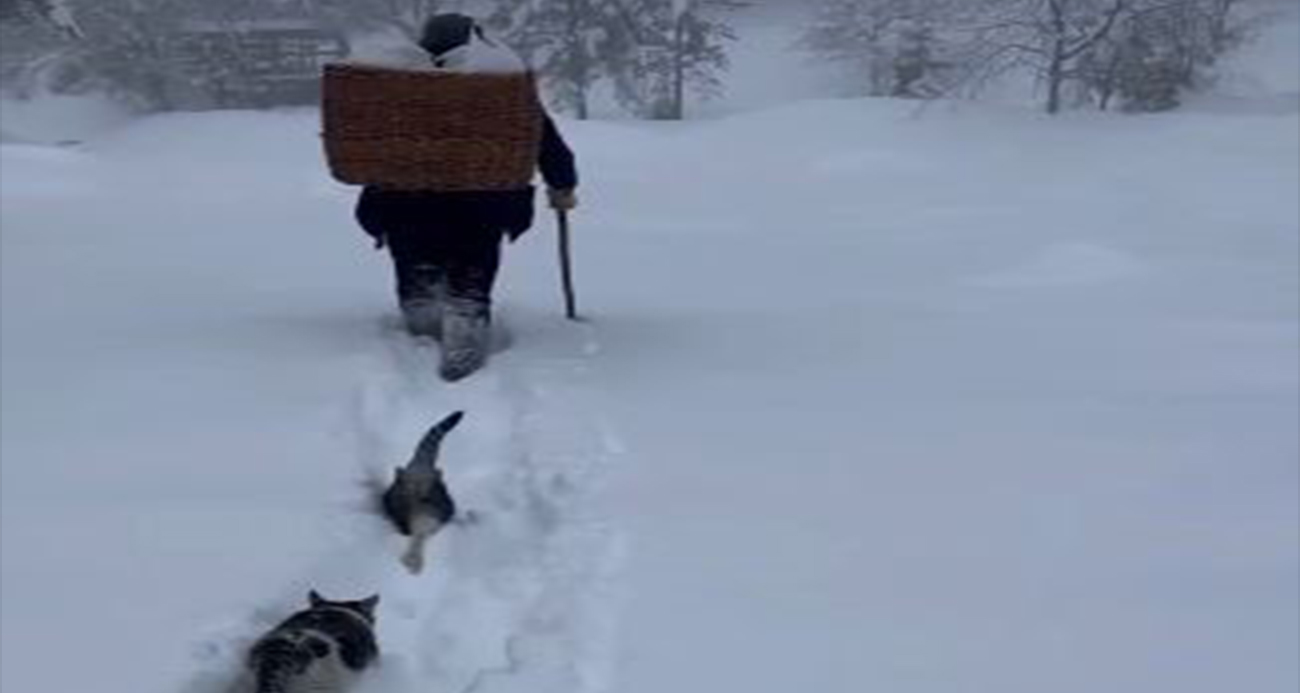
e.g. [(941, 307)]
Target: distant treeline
[(653, 56)]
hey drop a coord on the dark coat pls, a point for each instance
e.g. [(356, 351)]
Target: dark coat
[(384, 213)]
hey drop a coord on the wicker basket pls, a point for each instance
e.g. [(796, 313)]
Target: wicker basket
[(426, 130)]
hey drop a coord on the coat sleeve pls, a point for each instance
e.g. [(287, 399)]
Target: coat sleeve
[(556, 159), (370, 213)]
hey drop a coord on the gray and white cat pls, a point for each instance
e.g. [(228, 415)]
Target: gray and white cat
[(418, 502), (321, 649)]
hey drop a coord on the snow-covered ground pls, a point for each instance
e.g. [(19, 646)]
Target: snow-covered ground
[(967, 402), (58, 119), (767, 66), (201, 378), (870, 399)]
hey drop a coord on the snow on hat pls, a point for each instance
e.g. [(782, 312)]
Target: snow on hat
[(446, 32)]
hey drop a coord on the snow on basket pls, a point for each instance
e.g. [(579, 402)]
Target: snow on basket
[(430, 130)]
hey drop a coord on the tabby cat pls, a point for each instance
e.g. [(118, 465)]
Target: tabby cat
[(321, 649)]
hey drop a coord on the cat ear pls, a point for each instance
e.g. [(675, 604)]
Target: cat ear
[(315, 599), (368, 605)]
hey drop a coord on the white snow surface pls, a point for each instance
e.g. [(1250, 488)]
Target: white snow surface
[(59, 119), (869, 399), (477, 56)]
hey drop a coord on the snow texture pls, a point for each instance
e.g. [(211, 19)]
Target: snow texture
[(869, 399), (477, 57), (58, 119)]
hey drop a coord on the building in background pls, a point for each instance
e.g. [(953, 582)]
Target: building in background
[(252, 63)]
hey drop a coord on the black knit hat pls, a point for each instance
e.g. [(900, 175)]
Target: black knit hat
[(445, 32)]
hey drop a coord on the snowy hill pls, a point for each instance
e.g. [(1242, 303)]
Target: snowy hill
[(871, 399)]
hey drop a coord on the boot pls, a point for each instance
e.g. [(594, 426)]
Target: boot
[(421, 292), (423, 317), (466, 331)]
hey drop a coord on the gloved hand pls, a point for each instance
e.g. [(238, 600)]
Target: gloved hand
[(562, 200)]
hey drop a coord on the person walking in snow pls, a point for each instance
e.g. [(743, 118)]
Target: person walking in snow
[(446, 246)]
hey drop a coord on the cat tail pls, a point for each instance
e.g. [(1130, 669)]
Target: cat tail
[(275, 661), (274, 676), (426, 454)]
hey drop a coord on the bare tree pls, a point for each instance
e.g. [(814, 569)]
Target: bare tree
[(681, 48), (1159, 52), (1143, 50), (574, 44), (1048, 37), (898, 47), (653, 52)]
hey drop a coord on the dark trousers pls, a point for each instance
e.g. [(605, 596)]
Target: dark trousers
[(453, 264), (444, 245)]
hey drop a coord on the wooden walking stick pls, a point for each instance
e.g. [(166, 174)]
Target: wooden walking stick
[(566, 266)]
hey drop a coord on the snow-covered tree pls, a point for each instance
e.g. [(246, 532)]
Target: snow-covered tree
[(1141, 53), (681, 48), (897, 47), (1144, 51), (1050, 38), (1159, 52), (573, 44), (121, 49), (54, 13), (162, 54), (652, 52)]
